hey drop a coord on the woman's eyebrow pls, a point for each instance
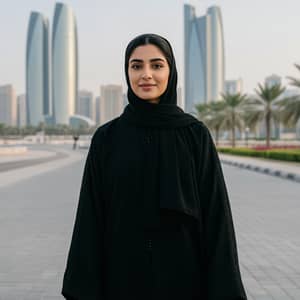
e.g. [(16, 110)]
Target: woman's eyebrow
[(151, 60)]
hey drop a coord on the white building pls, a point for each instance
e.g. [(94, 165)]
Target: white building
[(273, 80), (21, 111), (8, 105), (111, 103), (85, 104), (37, 69), (204, 58), (97, 110), (233, 86), (180, 102), (64, 64)]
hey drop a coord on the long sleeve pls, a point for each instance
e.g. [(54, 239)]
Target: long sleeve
[(83, 278), (223, 279)]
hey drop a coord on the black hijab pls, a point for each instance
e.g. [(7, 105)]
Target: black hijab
[(165, 114)]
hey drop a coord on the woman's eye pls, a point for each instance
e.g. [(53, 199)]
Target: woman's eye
[(135, 67), (157, 66)]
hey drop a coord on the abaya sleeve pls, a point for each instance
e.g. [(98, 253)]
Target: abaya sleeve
[(221, 259), (83, 278)]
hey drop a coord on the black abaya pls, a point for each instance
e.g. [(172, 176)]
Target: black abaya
[(139, 236)]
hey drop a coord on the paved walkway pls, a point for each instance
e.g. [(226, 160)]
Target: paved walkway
[(37, 215), (287, 170), (17, 168)]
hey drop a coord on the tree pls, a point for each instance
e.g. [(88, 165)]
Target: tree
[(212, 115), (290, 106), (232, 113), (264, 106)]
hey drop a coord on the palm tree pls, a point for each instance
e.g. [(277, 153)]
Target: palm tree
[(291, 105), (265, 106), (232, 114), (203, 111), (212, 115)]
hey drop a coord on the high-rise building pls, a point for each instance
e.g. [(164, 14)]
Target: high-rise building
[(37, 69), (272, 80), (125, 99), (217, 53), (111, 103), (85, 104), (8, 105), (64, 64), (233, 86), (21, 111), (97, 109), (180, 102), (204, 57)]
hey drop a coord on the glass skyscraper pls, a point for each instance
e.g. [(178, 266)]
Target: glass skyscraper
[(37, 69), (64, 64), (203, 56)]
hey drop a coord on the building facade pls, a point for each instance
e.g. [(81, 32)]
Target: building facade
[(8, 105), (233, 86), (85, 105), (204, 57), (111, 102), (64, 64), (273, 80), (21, 111), (37, 69)]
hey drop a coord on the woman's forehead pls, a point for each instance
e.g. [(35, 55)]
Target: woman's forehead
[(147, 52)]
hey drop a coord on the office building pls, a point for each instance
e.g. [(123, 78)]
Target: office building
[(204, 58), (64, 64), (111, 103), (21, 111), (233, 86), (8, 105), (37, 69)]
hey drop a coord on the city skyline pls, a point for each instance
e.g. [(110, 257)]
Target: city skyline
[(254, 50)]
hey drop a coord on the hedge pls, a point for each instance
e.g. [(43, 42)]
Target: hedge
[(285, 155)]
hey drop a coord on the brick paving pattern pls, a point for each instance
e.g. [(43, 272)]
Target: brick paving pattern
[(37, 215)]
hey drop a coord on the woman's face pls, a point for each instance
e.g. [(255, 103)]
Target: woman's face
[(148, 72)]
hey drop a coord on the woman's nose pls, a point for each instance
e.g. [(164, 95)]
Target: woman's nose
[(147, 74)]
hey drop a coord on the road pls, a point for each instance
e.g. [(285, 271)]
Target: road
[(37, 216)]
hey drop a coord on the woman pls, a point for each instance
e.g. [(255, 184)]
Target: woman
[(153, 219)]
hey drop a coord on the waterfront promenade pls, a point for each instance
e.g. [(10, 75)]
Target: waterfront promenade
[(38, 205)]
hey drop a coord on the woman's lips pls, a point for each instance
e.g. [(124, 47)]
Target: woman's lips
[(146, 87)]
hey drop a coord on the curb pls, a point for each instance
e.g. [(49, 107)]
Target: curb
[(267, 171)]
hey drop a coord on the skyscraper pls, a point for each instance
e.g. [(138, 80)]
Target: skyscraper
[(272, 80), (203, 56), (217, 53), (97, 109), (64, 64), (233, 86), (8, 105), (21, 111), (85, 104), (111, 103), (37, 69)]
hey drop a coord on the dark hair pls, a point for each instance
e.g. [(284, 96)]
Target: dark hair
[(163, 44), (154, 39)]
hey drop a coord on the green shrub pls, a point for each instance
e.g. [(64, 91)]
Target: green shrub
[(282, 154)]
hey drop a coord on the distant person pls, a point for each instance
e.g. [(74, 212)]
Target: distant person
[(75, 138), (154, 219)]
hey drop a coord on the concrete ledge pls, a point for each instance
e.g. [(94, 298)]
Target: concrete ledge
[(267, 171), (12, 150)]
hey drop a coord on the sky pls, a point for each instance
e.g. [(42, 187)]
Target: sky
[(262, 37)]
